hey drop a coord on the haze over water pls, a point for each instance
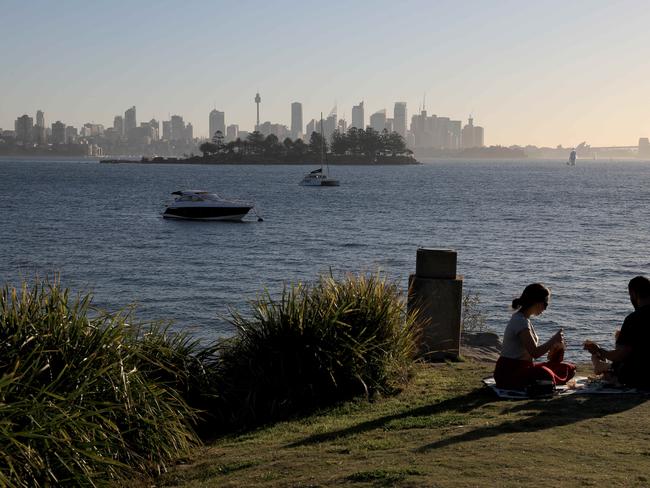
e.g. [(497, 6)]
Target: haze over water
[(583, 231)]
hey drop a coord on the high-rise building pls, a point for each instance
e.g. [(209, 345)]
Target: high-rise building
[(454, 134), (378, 120), (399, 118), (24, 127), (471, 135), (479, 134), (312, 126), (358, 119), (296, 120), (278, 130), (329, 125), (390, 125), (155, 125), (217, 123), (71, 134), (40, 134), (58, 133), (130, 121), (167, 130), (177, 128), (342, 126), (118, 125), (189, 132), (232, 133), (644, 148)]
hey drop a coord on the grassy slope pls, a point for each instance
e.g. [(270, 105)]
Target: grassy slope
[(443, 430)]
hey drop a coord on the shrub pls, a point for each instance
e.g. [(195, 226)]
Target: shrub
[(312, 347), (83, 394)]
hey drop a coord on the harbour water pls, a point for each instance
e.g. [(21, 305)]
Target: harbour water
[(581, 230)]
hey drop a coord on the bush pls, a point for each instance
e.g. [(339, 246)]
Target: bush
[(313, 347), (86, 396)]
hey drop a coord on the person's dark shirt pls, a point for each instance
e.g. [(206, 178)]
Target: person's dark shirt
[(634, 370)]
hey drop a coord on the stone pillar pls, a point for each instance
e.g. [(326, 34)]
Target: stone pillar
[(437, 292)]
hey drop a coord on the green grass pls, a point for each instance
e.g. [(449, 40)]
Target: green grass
[(442, 430)]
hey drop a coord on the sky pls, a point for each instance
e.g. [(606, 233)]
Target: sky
[(543, 73)]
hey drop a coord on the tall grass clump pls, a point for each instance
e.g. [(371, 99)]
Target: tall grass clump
[(84, 396), (313, 346)]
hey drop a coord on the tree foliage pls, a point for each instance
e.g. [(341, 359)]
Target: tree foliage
[(363, 143)]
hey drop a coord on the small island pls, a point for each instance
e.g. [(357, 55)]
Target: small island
[(356, 146)]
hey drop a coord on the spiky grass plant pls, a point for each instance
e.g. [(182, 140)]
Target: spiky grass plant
[(84, 396), (314, 346)]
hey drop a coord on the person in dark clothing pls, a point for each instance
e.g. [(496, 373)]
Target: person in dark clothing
[(630, 360)]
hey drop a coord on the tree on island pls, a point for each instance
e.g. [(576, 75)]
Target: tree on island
[(255, 142), (367, 144), (317, 144)]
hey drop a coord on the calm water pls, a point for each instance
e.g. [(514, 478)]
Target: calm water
[(583, 231)]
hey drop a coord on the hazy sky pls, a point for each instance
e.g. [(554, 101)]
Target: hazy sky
[(545, 73)]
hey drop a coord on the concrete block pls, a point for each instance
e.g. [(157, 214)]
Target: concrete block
[(439, 302), (435, 263)]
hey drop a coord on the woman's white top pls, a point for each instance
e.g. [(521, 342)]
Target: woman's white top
[(513, 346)]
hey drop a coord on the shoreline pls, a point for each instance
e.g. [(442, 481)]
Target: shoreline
[(258, 163)]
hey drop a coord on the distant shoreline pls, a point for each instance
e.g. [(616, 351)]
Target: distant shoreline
[(380, 161)]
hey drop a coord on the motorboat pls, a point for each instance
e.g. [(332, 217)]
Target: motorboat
[(318, 178), (204, 205)]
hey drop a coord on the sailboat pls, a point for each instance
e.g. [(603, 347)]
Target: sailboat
[(572, 158), (318, 177)]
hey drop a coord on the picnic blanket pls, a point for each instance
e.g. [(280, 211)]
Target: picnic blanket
[(580, 385)]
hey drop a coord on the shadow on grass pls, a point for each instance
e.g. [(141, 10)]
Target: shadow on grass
[(460, 404), (545, 414), (539, 415)]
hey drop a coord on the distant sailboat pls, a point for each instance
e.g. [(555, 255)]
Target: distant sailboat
[(572, 158), (318, 177)]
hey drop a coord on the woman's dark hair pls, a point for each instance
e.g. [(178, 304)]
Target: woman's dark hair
[(533, 293), (640, 285)]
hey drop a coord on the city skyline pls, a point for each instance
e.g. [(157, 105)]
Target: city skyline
[(534, 74)]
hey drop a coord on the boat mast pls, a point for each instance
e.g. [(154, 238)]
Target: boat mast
[(322, 142)]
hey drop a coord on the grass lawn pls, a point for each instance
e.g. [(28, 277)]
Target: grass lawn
[(443, 430)]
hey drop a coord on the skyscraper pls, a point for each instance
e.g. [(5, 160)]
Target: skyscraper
[(217, 123), (177, 128), (58, 133), (24, 127), (312, 126), (167, 130), (358, 119), (471, 135), (130, 121), (296, 120), (232, 132), (118, 125), (378, 120), (399, 118), (40, 135), (467, 134)]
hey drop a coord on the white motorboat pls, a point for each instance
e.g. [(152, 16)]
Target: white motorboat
[(203, 205)]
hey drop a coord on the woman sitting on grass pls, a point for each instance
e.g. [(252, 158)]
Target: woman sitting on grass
[(515, 368)]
